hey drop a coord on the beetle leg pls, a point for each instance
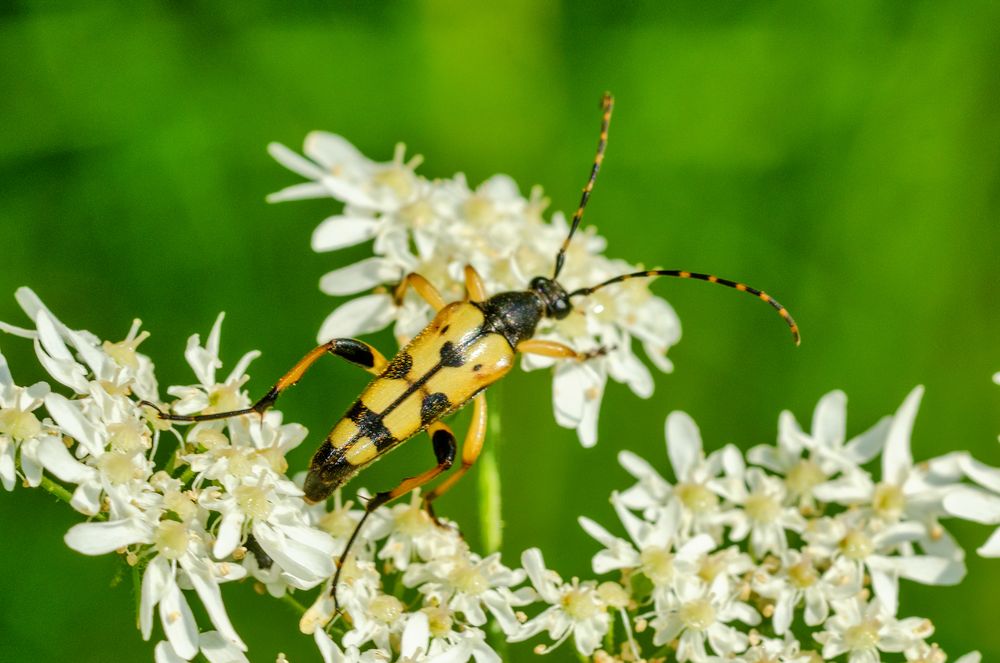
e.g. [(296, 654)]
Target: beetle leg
[(424, 288), (444, 451), (474, 287), (558, 350), (471, 448), (357, 352)]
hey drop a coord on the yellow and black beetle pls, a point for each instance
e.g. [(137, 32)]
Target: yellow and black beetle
[(468, 346)]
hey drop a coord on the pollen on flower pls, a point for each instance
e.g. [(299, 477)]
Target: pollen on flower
[(803, 574), (856, 545), (253, 501), (439, 620), (128, 437), (18, 424), (613, 594), (180, 503), (124, 352), (657, 564), (698, 614), (171, 539), (762, 508), (696, 498), (386, 608), (888, 501), (863, 636), (803, 477), (118, 467), (580, 603), (468, 579)]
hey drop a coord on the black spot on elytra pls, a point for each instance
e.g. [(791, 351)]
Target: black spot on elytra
[(399, 367), (450, 355), (433, 406), (444, 330), (477, 367), (370, 425)]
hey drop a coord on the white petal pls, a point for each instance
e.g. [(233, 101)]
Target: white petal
[(164, 653), (64, 371), (973, 504), (72, 422), (338, 232), (866, 446), (204, 582), (416, 633), (294, 162), (829, 419), (101, 538), (992, 546), (359, 316), (568, 385), (984, 475), (335, 152), (897, 458), (359, 277), (229, 534), (178, 622), (327, 648), (683, 443), (215, 648), (154, 583), (304, 191), (6, 381), (56, 458)]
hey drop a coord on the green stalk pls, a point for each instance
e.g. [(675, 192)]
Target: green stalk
[(293, 603), (490, 514)]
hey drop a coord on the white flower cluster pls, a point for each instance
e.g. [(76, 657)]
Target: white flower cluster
[(437, 227), (729, 562)]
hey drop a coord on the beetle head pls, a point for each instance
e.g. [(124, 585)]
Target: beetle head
[(553, 295)]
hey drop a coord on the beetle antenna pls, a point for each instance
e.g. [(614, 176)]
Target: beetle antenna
[(607, 104), (743, 287)]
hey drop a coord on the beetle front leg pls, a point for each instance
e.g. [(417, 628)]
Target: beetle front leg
[(475, 289), (355, 351), (558, 350), (423, 287)]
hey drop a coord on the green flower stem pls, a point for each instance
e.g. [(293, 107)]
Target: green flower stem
[(293, 603), (490, 515), (137, 592), (59, 492)]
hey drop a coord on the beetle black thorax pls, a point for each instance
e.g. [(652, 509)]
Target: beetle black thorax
[(514, 315)]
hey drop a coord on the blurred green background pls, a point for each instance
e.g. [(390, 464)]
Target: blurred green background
[(843, 155)]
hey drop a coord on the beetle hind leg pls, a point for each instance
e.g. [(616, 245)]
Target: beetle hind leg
[(471, 448)]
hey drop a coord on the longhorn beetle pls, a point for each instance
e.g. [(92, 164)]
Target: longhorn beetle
[(468, 346)]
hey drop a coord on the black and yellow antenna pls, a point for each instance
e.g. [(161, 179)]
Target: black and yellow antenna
[(743, 287), (608, 105)]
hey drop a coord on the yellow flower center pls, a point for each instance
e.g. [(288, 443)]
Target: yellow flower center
[(438, 620), (19, 424), (252, 501), (856, 545), (468, 579), (171, 539), (123, 352), (696, 498), (762, 508), (863, 636), (338, 523), (803, 477), (580, 603), (118, 467), (180, 503), (657, 564), (223, 398), (888, 501), (803, 574), (697, 615), (128, 437), (412, 520), (386, 608)]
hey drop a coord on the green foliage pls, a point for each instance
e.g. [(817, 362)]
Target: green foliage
[(841, 155)]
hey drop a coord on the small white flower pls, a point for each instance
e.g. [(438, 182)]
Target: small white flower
[(863, 630), (799, 580), (575, 608), (20, 428)]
